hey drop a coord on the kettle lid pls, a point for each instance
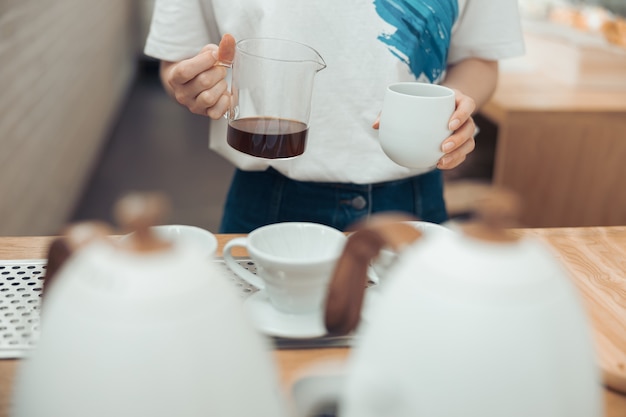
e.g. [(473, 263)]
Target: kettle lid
[(135, 212)]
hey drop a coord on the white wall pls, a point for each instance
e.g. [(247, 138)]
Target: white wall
[(65, 67)]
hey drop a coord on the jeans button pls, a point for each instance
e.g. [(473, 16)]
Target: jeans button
[(359, 203)]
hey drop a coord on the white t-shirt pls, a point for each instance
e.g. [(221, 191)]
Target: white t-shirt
[(365, 48)]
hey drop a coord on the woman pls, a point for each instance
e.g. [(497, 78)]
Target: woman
[(343, 175)]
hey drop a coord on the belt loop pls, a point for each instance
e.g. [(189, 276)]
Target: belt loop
[(370, 198), (417, 196)]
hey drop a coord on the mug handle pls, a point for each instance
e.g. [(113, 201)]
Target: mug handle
[(234, 266)]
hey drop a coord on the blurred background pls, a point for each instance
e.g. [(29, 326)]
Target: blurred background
[(84, 119)]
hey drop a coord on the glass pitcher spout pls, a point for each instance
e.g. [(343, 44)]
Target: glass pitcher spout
[(280, 50), (321, 64)]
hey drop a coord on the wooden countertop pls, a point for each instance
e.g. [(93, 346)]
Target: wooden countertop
[(532, 91), (594, 256)]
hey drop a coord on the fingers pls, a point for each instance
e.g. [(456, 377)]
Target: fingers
[(209, 47), (226, 50), (187, 70), (202, 93), (199, 83), (458, 145), (376, 124), (464, 108), (219, 108)]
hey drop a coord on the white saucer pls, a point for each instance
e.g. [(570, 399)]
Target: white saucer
[(297, 326), (276, 323)]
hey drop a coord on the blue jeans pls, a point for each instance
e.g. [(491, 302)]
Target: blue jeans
[(258, 198)]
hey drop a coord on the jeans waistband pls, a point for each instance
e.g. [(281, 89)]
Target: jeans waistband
[(352, 186)]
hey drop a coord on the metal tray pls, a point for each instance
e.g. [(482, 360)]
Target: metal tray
[(21, 284)]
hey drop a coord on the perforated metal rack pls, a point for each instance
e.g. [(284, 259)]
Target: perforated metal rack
[(21, 284)]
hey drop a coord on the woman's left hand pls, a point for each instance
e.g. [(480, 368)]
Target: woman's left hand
[(461, 142)]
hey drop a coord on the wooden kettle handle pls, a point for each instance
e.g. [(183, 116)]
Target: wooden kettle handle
[(74, 238), (347, 287)]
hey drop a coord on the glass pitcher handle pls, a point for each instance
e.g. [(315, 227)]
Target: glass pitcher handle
[(232, 113)]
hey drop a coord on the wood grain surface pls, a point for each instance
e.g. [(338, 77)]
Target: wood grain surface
[(596, 261)]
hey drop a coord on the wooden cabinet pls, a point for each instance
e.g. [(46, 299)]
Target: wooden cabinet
[(562, 148)]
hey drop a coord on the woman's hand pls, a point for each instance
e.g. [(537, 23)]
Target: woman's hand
[(474, 81), (461, 142), (199, 83)]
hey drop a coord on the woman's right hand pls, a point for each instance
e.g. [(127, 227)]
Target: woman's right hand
[(199, 83)]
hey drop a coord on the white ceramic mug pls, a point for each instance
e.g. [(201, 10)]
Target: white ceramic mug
[(294, 262), (414, 122), (186, 235)]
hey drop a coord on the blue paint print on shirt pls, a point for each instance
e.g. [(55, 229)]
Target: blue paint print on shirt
[(422, 35)]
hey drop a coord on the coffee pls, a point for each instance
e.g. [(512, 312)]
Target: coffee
[(268, 137)]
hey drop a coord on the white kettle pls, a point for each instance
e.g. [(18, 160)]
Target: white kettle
[(143, 327), (479, 323)]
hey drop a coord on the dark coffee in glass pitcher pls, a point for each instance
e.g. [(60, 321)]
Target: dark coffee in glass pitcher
[(268, 137), (270, 97)]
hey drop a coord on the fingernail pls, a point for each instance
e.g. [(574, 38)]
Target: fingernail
[(444, 161), (447, 146), (454, 124)]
